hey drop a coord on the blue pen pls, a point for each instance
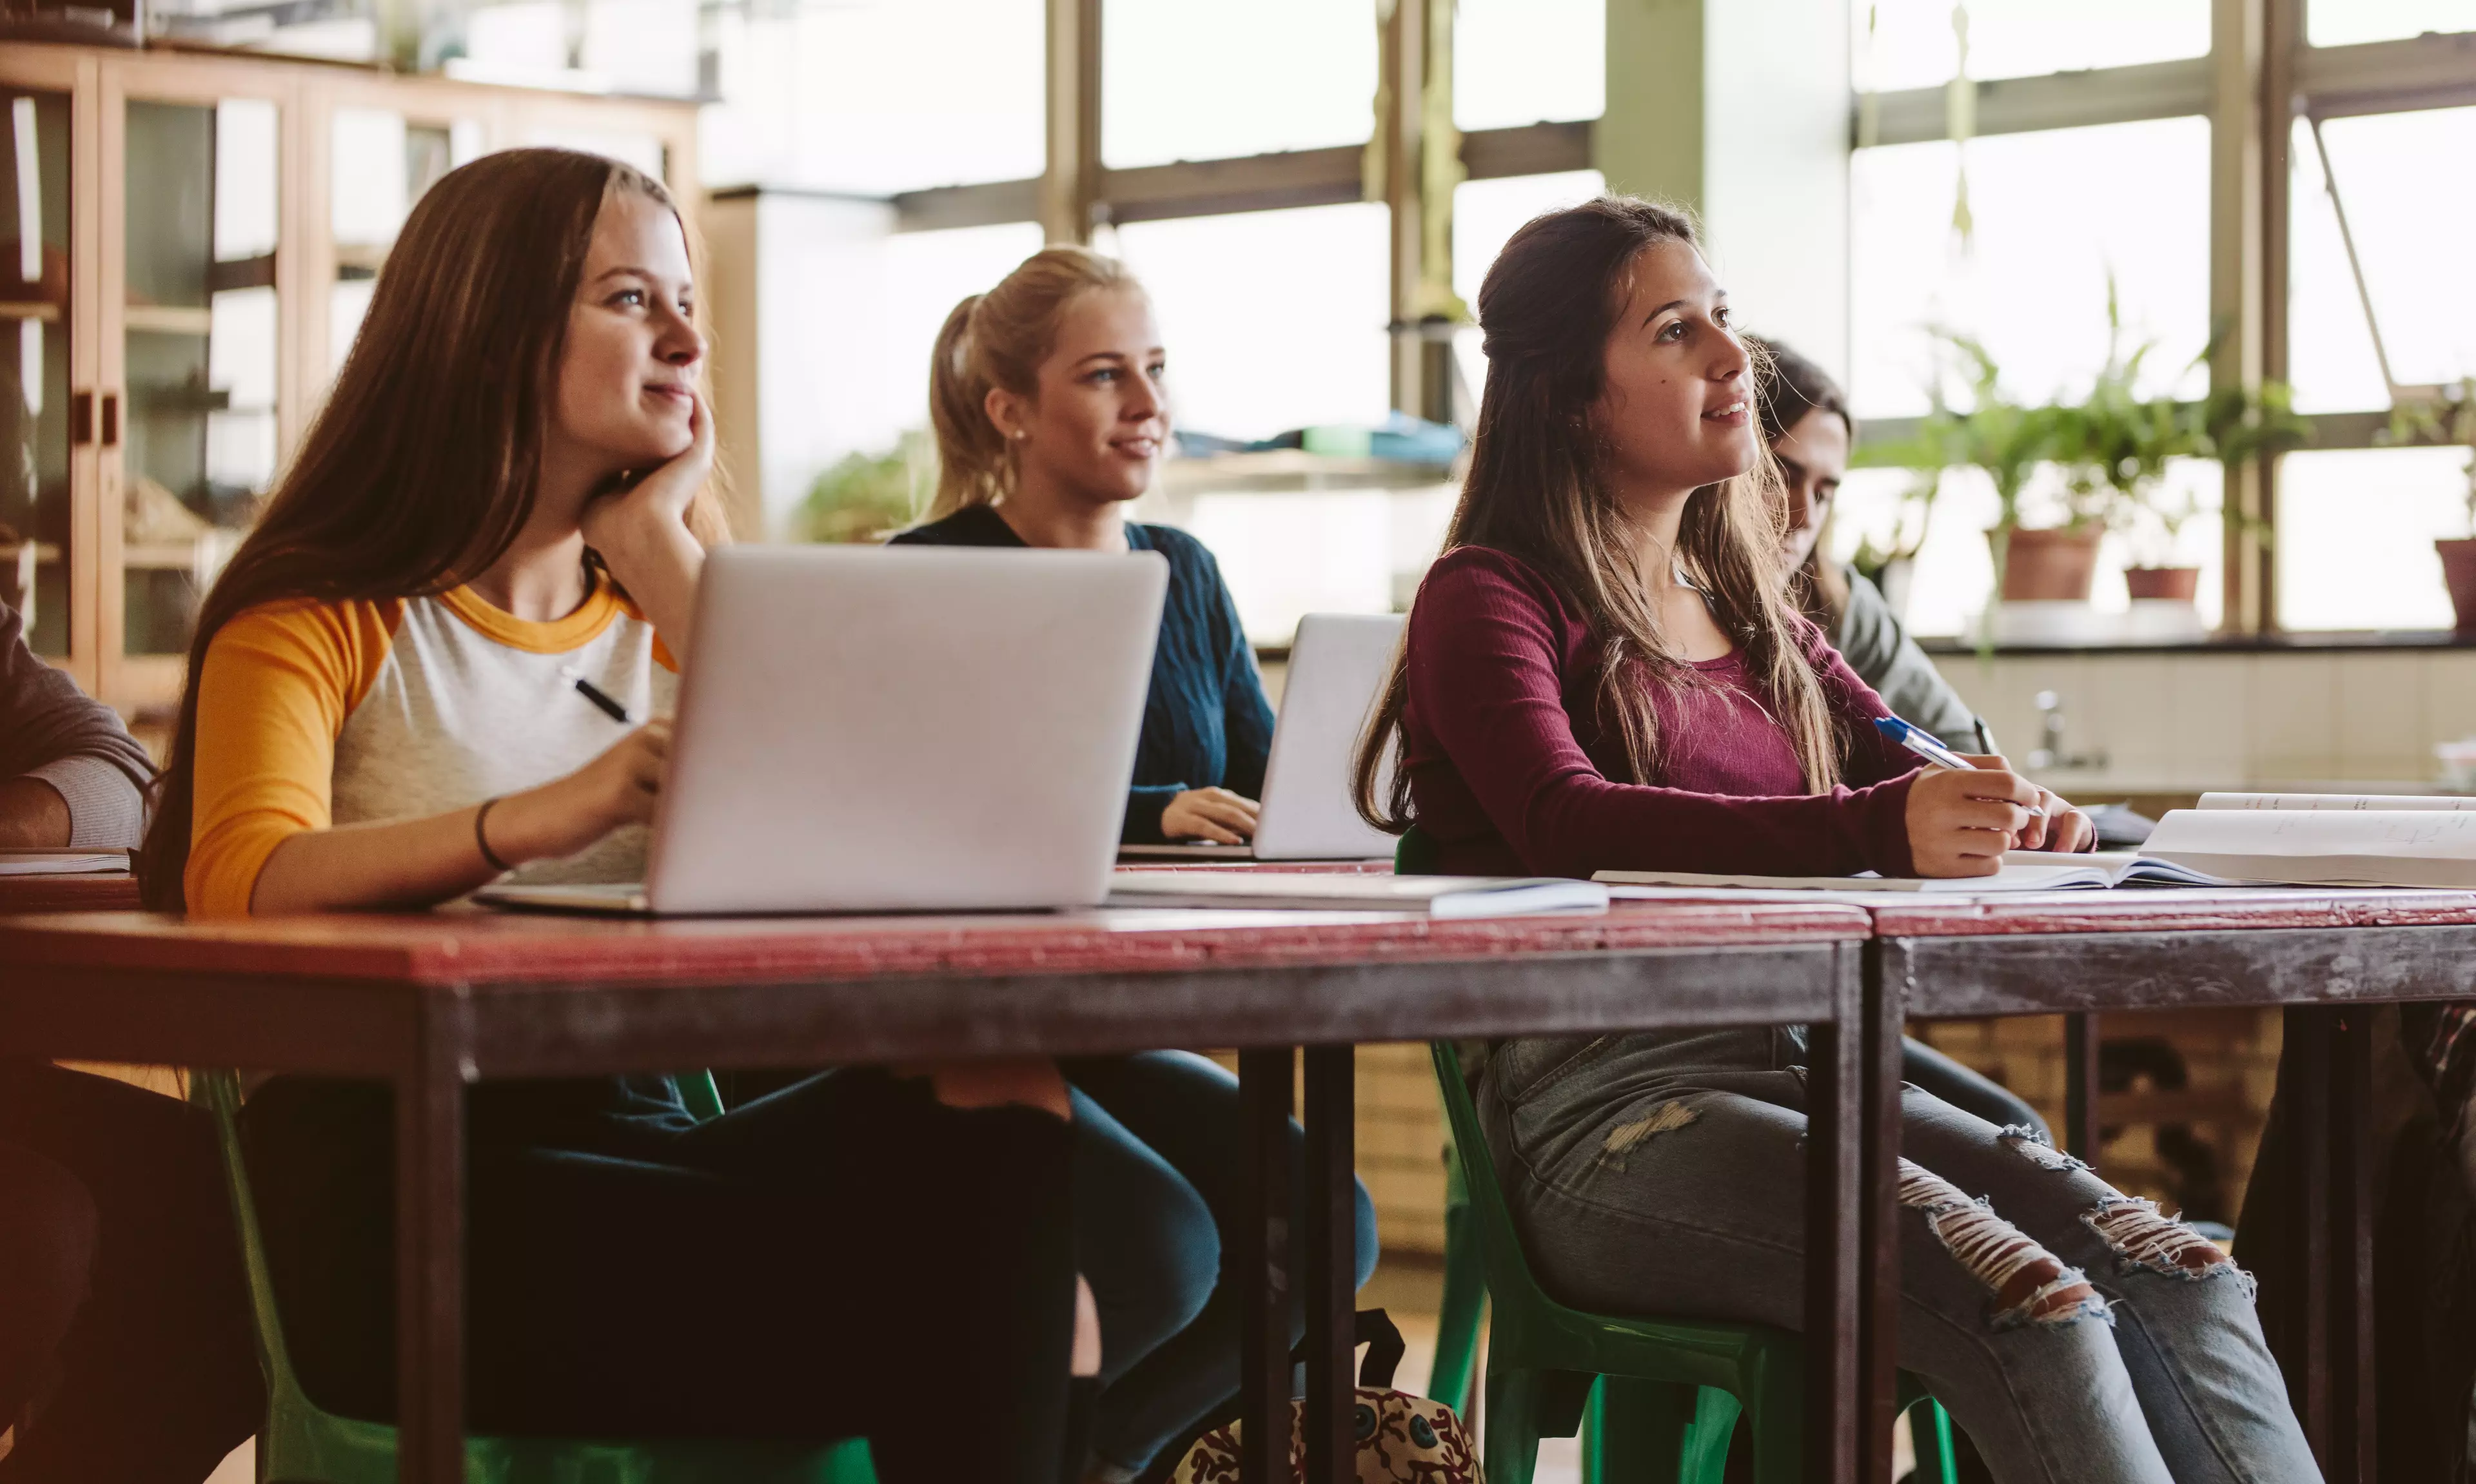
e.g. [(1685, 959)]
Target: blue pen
[(1926, 745)]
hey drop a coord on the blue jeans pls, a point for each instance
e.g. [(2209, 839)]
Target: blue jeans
[(2075, 1333), (1930, 1070), (1159, 1149)]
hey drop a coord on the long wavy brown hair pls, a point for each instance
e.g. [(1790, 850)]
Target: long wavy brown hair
[(425, 462), (1536, 489)]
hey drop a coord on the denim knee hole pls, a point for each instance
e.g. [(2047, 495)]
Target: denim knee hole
[(2145, 1241), (2029, 1285)]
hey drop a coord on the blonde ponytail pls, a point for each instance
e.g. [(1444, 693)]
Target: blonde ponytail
[(998, 339)]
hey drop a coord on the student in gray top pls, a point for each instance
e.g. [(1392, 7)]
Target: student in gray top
[(1806, 421), (70, 775)]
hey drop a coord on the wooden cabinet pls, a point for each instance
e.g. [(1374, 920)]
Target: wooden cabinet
[(187, 246)]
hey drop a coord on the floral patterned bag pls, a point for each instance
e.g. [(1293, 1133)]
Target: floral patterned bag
[(1401, 1439)]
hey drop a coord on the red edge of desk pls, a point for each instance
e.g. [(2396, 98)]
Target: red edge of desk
[(2168, 910), (476, 947)]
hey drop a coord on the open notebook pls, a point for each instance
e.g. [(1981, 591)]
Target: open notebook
[(2326, 839), (2022, 871), (2230, 840)]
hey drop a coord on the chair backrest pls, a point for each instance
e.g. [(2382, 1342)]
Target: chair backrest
[(1515, 1294), (1416, 855)]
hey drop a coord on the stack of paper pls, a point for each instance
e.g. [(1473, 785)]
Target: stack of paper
[(1437, 896), (2021, 871), (14, 861)]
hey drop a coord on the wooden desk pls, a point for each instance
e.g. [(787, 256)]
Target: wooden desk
[(434, 1002), (113, 891), (2328, 955)]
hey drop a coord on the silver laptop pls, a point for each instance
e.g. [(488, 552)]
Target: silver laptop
[(1338, 664), (915, 727)]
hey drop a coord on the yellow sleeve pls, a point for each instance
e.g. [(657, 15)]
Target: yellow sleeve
[(277, 686)]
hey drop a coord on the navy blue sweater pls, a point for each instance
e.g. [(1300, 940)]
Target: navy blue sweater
[(1206, 721)]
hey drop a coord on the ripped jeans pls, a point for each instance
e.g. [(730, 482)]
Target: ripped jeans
[(2074, 1332)]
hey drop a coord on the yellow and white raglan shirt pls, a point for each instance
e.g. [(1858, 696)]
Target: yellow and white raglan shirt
[(314, 714)]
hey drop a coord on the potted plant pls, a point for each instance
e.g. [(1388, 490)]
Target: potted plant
[(2008, 440), (2450, 418), (868, 497), (2114, 445)]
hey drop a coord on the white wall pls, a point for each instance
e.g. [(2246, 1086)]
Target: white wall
[(1776, 167), (1739, 109), (2179, 722)]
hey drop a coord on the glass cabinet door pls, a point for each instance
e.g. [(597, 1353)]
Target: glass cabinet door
[(384, 162), (200, 332), (34, 406)]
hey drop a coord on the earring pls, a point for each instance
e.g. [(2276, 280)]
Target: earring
[(1021, 434)]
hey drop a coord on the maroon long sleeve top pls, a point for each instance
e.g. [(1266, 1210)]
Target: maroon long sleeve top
[(1511, 773)]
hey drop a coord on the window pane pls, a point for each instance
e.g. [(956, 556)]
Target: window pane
[(1519, 62), (2412, 239), (1273, 319), (853, 314), (1186, 81), (878, 96), (1954, 570), (1911, 44), (34, 526), (1486, 215), (2055, 213), (2356, 529), (2341, 22)]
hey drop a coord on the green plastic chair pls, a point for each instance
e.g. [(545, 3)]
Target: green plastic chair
[(301, 1443), (1656, 1400)]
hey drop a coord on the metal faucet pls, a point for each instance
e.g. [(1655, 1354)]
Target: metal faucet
[(2049, 751)]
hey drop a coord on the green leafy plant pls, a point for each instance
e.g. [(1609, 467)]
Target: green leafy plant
[(866, 497), (2449, 418)]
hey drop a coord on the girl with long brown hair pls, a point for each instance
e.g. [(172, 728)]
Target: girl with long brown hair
[(508, 491), (1603, 671)]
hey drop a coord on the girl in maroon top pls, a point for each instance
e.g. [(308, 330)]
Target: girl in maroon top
[(1602, 672)]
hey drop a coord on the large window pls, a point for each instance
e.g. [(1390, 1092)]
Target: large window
[(1273, 320), (1917, 44), (1188, 81), (879, 96), (2341, 22), (1519, 61), (2056, 217)]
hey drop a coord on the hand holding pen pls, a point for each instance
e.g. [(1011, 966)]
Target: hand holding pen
[(1965, 811)]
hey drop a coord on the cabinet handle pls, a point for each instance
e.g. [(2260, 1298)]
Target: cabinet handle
[(81, 418), (110, 419)]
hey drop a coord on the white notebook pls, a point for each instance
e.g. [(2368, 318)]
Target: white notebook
[(2022, 871), (1437, 896)]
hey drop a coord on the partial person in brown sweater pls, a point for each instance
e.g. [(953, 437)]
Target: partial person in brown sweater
[(124, 1325), (70, 775), (1603, 670)]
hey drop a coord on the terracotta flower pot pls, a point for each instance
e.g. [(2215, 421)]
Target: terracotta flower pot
[(2176, 584), (2459, 570), (2047, 566)]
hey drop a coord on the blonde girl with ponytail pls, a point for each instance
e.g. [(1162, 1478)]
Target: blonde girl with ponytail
[(1050, 398)]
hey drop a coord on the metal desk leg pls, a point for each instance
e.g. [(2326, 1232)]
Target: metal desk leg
[(2081, 1085), (1332, 1262), (430, 1257), (1264, 1095), (2352, 1155), (1882, 1012), (2304, 1075), (1833, 1231)]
